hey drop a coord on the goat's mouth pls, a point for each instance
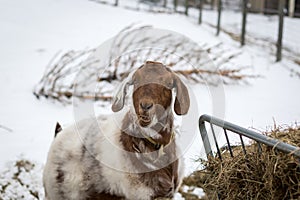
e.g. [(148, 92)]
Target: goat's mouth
[(144, 120)]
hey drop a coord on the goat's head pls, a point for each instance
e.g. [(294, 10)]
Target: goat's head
[(152, 93)]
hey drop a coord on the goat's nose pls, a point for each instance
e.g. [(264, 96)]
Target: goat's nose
[(146, 105)]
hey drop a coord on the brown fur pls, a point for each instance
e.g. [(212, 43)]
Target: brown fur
[(152, 96), (153, 84), (156, 96), (158, 80), (164, 181), (147, 132)]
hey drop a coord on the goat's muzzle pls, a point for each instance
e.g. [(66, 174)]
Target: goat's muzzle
[(145, 110), (150, 102), (144, 120)]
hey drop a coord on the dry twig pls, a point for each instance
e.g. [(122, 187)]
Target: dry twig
[(90, 74)]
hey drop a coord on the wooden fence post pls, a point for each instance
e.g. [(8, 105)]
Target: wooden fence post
[(219, 16), (165, 3), (116, 2), (200, 11), (280, 30), (245, 11), (291, 8), (175, 5), (212, 4), (186, 12)]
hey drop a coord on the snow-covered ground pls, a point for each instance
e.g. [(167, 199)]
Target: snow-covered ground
[(264, 27), (33, 31)]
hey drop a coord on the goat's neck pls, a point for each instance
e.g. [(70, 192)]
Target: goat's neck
[(132, 133), (146, 156)]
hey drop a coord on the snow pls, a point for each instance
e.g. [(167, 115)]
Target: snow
[(33, 31), (193, 190), (21, 180), (258, 26)]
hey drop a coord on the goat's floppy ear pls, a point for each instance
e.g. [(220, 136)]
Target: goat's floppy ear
[(182, 100), (119, 98)]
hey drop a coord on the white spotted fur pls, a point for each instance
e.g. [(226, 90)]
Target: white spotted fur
[(114, 173), (70, 141)]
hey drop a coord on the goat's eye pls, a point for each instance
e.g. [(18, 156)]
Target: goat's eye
[(170, 84)]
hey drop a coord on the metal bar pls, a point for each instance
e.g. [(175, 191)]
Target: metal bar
[(287, 148), (259, 147), (200, 11), (216, 142), (219, 16), (280, 30), (205, 138), (244, 21), (243, 144), (228, 143)]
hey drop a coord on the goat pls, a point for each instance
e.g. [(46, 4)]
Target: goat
[(137, 160)]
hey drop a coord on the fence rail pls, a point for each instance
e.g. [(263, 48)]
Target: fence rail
[(278, 8), (245, 7), (242, 132)]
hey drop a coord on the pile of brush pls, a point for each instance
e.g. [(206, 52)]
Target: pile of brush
[(93, 74), (265, 174)]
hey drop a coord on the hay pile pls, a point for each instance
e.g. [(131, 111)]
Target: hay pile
[(267, 175)]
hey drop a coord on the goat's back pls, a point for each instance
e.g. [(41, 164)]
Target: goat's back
[(74, 160)]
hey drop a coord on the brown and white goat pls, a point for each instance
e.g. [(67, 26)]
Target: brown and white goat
[(136, 159)]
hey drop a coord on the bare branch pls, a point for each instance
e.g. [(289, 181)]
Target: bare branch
[(6, 128), (80, 73)]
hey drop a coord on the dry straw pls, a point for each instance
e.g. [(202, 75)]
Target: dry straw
[(266, 174)]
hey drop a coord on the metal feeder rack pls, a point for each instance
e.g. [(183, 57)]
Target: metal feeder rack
[(242, 132)]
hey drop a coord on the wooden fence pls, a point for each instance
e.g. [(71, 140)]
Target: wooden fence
[(245, 7)]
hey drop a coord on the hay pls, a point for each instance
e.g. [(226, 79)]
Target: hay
[(269, 174)]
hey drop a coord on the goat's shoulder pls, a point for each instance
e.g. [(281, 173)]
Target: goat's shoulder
[(83, 133)]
